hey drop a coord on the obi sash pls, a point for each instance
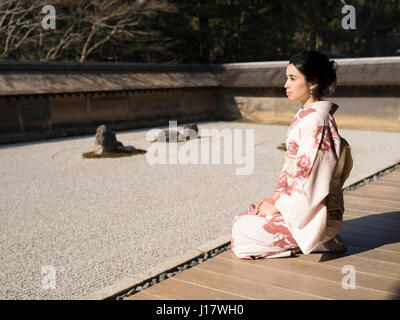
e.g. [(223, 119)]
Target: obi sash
[(334, 200)]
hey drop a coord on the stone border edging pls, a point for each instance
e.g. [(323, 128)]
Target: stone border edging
[(192, 257)]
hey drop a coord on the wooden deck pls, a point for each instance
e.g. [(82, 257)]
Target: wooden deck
[(370, 231)]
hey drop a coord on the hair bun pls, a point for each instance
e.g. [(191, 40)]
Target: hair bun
[(333, 64), (318, 68)]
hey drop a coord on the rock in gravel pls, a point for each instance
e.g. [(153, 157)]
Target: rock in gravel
[(106, 142)]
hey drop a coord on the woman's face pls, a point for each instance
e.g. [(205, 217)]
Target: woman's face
[(297, 88)]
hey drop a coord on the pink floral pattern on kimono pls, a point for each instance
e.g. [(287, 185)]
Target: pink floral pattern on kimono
[(303, 166), (292, 148), (313, 147), (303, 208), (255, 237), (282, 182), (305, 112)]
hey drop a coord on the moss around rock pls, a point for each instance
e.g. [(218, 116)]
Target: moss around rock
[(93, 155)]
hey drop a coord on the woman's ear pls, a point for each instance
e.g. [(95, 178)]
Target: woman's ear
[(313, 85)]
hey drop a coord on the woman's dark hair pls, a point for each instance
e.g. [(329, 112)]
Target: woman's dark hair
[(318, 68)]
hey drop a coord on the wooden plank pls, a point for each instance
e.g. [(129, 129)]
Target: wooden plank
[(368, 208), (384, 185), (373, 197), (385, 195), (369, 198), (369, 265), (381, 193), (362, 212), (228, 281), (372, 207), (388, 179), (365, 265), (172, 289), (392, 216), (260, 271), (384, 204), (375, 254), (381, 186), (324, 272)]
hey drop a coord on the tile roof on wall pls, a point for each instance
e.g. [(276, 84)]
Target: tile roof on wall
[(32, 78)]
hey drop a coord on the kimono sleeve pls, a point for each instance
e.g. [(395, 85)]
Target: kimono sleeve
[(313, 171), (281, 185)]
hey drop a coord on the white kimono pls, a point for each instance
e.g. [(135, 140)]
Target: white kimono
[(306, 181), (318, 161)]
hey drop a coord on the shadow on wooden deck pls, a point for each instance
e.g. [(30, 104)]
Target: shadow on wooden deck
[(369, 232)]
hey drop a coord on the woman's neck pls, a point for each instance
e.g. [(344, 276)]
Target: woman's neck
[(309, 101)]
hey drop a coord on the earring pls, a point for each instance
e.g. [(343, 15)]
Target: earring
[(310, 93)]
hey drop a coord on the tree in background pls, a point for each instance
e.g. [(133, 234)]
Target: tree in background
[(85, 30), (257, 30), (195, 31)]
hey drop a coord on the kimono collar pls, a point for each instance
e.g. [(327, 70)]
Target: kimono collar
[(324, 106)]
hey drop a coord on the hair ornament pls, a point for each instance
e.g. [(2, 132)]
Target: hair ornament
[(331, 88)]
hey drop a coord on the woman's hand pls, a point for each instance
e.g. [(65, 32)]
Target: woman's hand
[(259, 203), (266, 207)]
